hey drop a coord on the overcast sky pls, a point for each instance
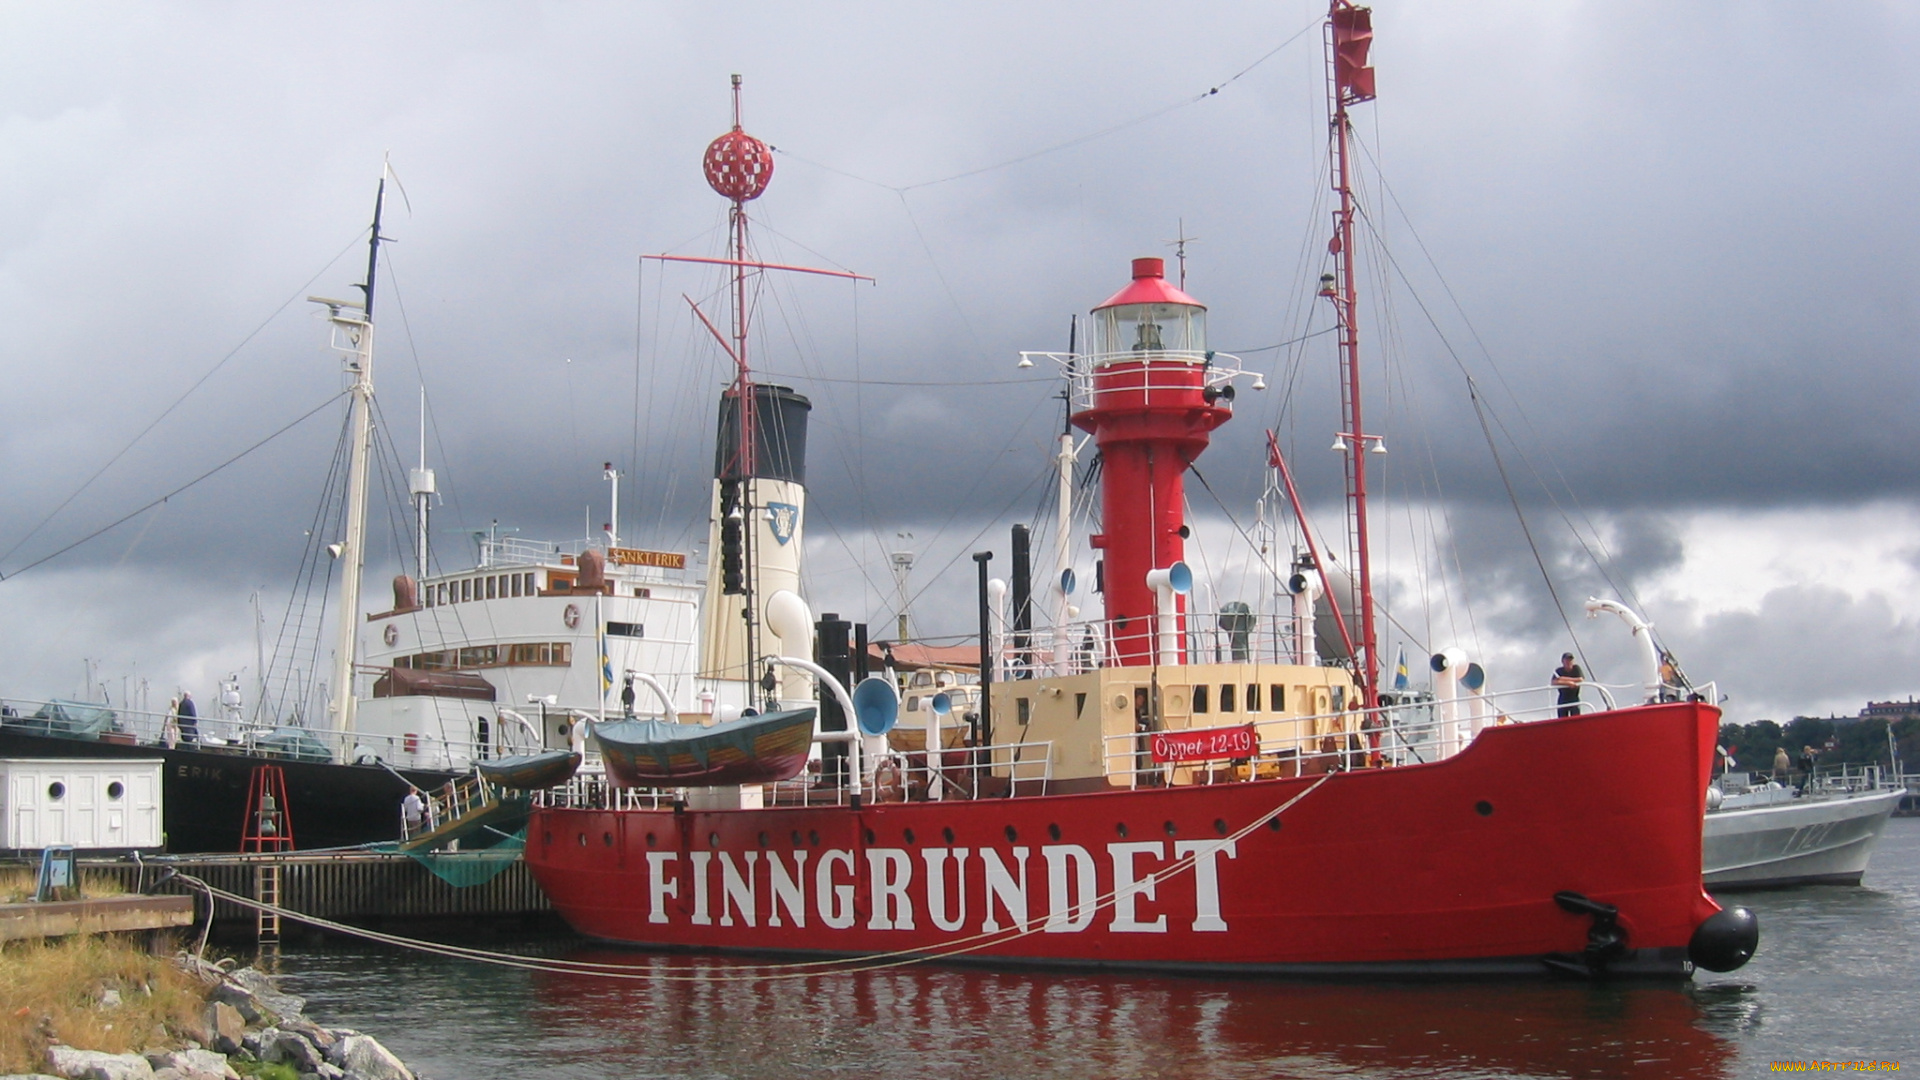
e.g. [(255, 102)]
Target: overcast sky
[(1674, 247)]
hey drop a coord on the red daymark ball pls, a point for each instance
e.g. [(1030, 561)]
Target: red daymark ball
[(738, 165)]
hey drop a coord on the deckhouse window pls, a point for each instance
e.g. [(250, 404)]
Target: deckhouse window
[(1199, 699), (491, 582), (466, 589), (1253, 697), (529, 577), (516, 584), (626, 629), (1226, 697), (1277, 696)]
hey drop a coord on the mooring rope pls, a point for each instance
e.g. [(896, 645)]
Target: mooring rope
[(765, 972)]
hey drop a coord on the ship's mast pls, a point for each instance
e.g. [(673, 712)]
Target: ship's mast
[(739, 167), (1350, 82), (420, 485), (353, 334), (743, 380)]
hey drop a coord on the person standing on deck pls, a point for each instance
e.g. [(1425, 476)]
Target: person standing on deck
[(1568, 678), (412, 810), (187, 718)]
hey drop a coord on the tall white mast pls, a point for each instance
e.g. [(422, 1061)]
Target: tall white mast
[(353, 335), (421, 485)]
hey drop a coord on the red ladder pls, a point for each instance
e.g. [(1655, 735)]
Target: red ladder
[(267, 826)]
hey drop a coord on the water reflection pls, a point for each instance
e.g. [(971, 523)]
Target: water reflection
[(1835, 978), (692, 1020)]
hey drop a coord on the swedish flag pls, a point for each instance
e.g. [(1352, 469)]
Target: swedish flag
[(606, 665)]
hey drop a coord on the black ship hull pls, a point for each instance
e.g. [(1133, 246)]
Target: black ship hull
[(204, 792)]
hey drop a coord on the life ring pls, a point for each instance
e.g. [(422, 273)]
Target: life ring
[(391, 635), (571, 616)]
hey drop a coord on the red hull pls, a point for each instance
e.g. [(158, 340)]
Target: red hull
[(1449, 868)]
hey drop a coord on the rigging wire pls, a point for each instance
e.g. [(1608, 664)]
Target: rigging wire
[(1604, 559), (168, 411), (902, 189), (1473, 392), (799, 969), (291, 638), (130, 515)]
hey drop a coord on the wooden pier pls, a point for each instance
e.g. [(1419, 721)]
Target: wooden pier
[(363, 888), (102, 915)]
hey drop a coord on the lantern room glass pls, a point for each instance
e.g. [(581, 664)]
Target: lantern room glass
[(1127, 330)]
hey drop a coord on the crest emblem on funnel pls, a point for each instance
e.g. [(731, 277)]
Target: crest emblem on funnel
[(783, 519)]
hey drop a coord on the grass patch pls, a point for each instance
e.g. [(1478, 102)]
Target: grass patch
[(52, 991), (17, 884)]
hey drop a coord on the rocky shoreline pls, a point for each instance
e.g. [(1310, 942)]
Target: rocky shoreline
[(249, 1025)]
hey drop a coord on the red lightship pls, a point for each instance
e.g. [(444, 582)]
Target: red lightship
[(1121, 803)]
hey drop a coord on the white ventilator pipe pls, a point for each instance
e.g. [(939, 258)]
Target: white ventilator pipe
[(792, 622), (1063, 559), (1305, 651), (1479, 709), (851, 736), (997, 597), (937, 710), (1642, 633), (1447, 664), (1167, 585)]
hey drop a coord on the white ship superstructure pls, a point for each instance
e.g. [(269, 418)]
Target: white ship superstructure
[(534, 630)]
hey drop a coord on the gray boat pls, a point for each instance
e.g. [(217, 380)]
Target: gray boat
[(1768, 835)]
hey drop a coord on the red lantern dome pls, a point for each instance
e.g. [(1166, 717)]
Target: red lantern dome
[(738, 165)]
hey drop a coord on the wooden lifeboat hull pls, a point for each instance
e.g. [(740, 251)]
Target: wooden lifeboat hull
[(530, 772), (751, 750)]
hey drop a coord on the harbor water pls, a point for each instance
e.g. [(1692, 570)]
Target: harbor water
[(1837, 979)]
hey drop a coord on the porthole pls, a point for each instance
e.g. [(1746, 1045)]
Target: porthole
[(947, 833), (763, 839), (868, 836), (547, 838), (1274, 823), (909, 836), (56, 790), (583, 839), (650, 840), (796, 838), (813, 838), (116, 789), (1220, 826), (1053, 831), (606, 838), (1483, 808), (1012, 835), (1171, 831), (713, 839)]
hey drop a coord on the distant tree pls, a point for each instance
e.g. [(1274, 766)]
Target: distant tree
[(1752, 745), (1803, 731)]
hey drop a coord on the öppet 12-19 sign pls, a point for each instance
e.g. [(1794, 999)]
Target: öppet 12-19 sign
[(1213, 743)]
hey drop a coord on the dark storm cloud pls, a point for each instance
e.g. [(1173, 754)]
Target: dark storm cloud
[(1681, 236)]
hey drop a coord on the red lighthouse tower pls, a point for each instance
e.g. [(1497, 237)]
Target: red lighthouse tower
[(1150, 396)]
